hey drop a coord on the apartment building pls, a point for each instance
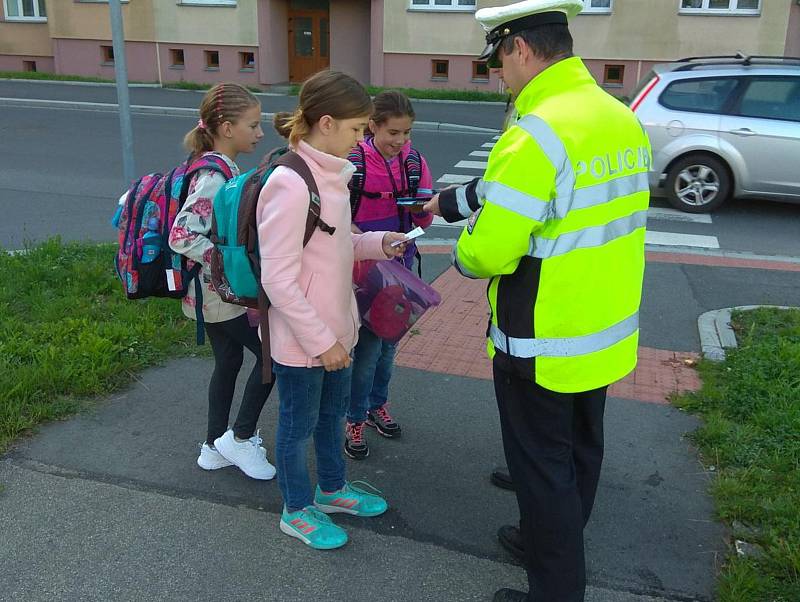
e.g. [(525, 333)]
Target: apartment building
[(411, 43)]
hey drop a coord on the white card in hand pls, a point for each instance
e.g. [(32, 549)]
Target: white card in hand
[(415, 233)]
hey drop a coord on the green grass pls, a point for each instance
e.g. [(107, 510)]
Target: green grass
[(51, 77), (39, 75), (68, 334), (431, 94), (750, 404)]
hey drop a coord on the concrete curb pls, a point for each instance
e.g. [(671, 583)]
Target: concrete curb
[(191, 112), (716, 334)]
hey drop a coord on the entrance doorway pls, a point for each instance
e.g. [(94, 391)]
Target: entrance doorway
[(309, 42)]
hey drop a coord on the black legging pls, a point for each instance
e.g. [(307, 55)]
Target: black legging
[(228, 340)]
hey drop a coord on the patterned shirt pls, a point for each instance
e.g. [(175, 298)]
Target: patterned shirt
[(189, 237)]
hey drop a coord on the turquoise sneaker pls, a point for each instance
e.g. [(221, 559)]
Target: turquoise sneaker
[(351, 500), (313, 528)]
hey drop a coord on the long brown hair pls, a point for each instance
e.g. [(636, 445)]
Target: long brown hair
[(391, 103), (224, 102), (325, 93)]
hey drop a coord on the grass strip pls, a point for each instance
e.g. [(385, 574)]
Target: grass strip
[(750, 406), (68, 334)]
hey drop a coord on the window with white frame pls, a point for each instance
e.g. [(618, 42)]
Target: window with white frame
[(720, 7), (25, 10), (435, 5), (598, 6)]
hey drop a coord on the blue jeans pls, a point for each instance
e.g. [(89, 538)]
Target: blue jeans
[(312, 401), (373, 361)]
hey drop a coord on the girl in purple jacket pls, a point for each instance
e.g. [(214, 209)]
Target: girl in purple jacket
[(387, 168)]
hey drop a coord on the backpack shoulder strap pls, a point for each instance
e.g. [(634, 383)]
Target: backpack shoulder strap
[(208, 161), (296, 163), (358, 158), (413, 168)]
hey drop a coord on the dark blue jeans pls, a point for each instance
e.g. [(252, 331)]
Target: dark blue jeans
[(373, 361), (312, 401)]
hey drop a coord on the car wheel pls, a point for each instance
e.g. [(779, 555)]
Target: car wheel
[(698, 184)]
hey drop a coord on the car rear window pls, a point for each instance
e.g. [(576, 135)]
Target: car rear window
[(772, 98), (706, 95)]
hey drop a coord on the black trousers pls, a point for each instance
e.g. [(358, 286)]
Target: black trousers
[(553, 444), (228, 340)]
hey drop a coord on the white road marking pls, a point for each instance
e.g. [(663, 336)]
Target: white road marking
[(471, 165), (674, 215), (673, 239)]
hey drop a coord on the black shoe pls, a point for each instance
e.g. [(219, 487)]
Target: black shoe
[(510, 538), (500, 478), (383, 422), (510, 595), (355, 446)]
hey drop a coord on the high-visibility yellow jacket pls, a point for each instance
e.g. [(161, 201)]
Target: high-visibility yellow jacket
[(561, 232)]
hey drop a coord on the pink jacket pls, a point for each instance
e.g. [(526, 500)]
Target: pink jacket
[(311, 288)]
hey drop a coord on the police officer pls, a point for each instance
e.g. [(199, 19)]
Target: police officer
[(557, 224)]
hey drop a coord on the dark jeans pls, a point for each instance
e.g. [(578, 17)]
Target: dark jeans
[(228, 340), (312, 401), (554, 448), (373, 361)]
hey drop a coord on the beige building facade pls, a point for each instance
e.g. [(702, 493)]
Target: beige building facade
[(398, 43)]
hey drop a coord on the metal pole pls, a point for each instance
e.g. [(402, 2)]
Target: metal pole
[(121, 72)]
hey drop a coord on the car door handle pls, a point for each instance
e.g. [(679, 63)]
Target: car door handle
[(743, 132)]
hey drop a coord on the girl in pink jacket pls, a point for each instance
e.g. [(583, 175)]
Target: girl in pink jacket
[(387, 168), (313, 318)]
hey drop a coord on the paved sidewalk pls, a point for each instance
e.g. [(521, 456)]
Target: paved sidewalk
[(111, 505)]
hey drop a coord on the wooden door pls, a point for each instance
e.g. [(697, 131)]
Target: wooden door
[(309, 43)]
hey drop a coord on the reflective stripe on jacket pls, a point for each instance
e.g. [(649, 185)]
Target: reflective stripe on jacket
[(561, 232)]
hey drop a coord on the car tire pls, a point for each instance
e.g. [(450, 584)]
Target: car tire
[(698, 183)]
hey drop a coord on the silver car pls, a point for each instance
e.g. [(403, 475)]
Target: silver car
[(722, 127)]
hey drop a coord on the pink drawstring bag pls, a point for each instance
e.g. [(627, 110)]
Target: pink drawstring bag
[(391, 298)]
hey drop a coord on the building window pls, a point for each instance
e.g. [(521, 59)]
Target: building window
[(247, 61), (29, 66), (25, 10), (107, 55), (598, 6), (720, 7), (212, 60), (480, 71), (443, 5), (176, 58), (613, 75), (440, 69)]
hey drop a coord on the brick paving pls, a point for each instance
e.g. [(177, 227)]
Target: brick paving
[(451, 339)]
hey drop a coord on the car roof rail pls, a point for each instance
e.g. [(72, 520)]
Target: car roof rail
[(740, 58)]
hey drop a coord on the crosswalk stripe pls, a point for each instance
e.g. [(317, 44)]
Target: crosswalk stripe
[(496, 138), (666, 239), (674, 215), (487, 145), (471, 165), (455, 178), (479, 154), (674, 239)]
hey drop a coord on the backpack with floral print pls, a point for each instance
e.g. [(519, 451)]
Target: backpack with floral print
[(144, 261)]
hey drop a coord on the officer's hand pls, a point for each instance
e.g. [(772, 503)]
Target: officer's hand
[(432, 206)]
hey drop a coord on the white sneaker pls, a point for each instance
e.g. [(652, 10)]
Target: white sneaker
[(248, 456), (211, 459)]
